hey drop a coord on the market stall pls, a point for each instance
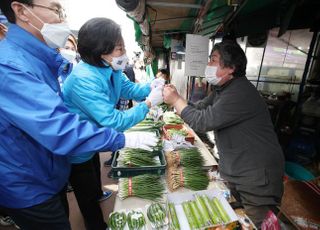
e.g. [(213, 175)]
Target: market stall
[(183, 196)]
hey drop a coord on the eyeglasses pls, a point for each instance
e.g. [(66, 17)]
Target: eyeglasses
[(60, 12)]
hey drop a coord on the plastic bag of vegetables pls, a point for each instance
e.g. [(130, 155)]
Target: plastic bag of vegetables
[(157, 216), (117, 220), (136, 220)]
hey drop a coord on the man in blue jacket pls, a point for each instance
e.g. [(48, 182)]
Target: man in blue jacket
[(37, 133)]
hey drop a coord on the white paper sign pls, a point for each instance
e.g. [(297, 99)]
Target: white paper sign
[(197, 49)]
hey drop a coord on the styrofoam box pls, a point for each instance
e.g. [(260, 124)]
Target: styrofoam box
[(178, 198)]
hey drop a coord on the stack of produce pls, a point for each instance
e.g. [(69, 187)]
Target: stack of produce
[(157, 215), (129, 157), (170, 118), (147, 125), (191, 178), (136, 220), (144, 186), (117, 220), (185, 157), (203, 212)]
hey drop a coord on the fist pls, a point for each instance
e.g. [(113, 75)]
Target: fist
[(170, 94)]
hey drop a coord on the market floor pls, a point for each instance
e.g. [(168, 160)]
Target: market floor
[(75, 217)]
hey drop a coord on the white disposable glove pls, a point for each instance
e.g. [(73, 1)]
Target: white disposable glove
[(140, 140), (155, 97), (158, 82)]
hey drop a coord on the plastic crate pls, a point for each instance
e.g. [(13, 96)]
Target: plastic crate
[(118, 172)]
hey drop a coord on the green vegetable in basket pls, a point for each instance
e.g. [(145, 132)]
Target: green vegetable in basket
[(117, 220), (136, 158), (157, 215), (145, 186), (136, 220), (174, 225)]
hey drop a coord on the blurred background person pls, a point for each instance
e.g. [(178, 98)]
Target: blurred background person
[(165, 74)]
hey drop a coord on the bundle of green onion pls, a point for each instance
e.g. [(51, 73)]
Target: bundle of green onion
[(188, 158), (170, 118), (145, 186), (129, 157), (191, 178), (147, 125)]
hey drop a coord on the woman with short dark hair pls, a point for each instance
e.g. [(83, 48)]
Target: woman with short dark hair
[(92, 90)]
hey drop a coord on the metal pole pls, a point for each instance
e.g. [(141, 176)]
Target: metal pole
[(264, 50), (313, 42)]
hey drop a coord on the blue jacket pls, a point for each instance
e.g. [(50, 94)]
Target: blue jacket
[(36, 130), (93, 92)]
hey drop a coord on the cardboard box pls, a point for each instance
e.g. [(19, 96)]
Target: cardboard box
[(178, 198)]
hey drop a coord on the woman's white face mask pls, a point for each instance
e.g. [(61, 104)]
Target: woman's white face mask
[(211, 75), (119, 63)]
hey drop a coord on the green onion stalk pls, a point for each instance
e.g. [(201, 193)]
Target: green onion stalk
[(188, 158), (145, 186), (191, 178)]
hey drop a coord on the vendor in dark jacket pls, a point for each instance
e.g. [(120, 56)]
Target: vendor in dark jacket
[(251, 159)]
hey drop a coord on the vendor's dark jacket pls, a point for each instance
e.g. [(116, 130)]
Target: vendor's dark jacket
[(250, 154)]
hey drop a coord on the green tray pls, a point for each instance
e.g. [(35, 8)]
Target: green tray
[(118, 172)]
